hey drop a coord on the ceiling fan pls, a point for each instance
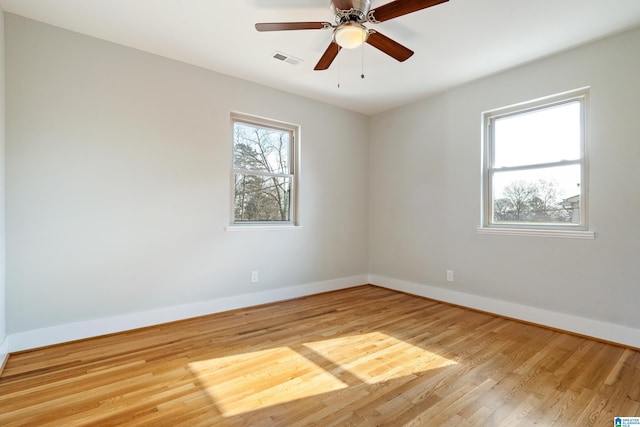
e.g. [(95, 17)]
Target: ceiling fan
[(349, 31)]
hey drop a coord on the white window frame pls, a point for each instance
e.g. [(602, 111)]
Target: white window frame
[(568, 230), (293, 174)]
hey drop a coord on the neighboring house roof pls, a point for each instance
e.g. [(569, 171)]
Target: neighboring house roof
[(570, 201)]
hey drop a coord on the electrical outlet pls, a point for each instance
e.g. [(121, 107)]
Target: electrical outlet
[(254, 276), (449, 275)]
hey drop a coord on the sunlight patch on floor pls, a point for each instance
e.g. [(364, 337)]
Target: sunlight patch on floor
[(275, 376), (245, 382), (375, 356)]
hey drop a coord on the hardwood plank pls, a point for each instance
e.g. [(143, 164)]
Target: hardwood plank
[(361, 356)]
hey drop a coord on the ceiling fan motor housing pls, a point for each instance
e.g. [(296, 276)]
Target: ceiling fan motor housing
[(358, 12)]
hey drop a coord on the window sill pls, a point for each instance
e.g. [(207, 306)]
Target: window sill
[(564, 234), (262, 227)]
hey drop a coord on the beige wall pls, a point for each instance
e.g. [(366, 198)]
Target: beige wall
[(118, 192), (118, 177), (3, 305), (425, 194)]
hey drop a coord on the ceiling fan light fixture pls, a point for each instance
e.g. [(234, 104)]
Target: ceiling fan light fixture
[(350, 35)]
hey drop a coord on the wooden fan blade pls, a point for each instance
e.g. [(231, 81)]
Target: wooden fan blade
[(284, 26), (328, 56), (401, 7), (343, 4), (388, 46)]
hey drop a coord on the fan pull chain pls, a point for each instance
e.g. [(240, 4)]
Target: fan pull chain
[(339, 70), (362, 69)]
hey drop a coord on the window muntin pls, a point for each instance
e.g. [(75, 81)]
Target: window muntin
[(535, 165), (264, 171)]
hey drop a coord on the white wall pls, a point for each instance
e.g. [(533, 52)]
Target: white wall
[(4, 344), (118, 193), (118, 189), (425, 199)]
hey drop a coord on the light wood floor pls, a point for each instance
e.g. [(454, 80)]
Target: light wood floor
[(364, 356)]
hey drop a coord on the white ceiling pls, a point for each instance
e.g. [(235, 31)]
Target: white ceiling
[(455, 42)]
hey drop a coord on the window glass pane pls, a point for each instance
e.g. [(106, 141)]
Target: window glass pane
[(545, 195), (262, 198), (260, 148), (538, 136)]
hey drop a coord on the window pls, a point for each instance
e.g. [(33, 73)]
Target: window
[(264, 171), (534, 167)]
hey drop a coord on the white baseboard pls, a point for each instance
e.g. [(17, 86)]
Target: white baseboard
[(4, 352), (588, 327), (96, 327)]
